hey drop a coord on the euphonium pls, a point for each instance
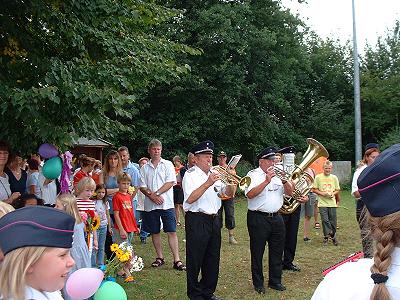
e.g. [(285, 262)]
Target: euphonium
[(301, 178), (229, 178)]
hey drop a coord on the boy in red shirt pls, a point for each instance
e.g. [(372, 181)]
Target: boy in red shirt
[(125, 222)]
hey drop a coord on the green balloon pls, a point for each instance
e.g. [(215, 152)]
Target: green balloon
[(110, 290), (52, 168)]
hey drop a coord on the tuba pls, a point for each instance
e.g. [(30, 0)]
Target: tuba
[(302, 178), (229, 178)]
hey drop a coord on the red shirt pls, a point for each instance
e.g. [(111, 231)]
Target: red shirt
[(123, 204), (79, 175)]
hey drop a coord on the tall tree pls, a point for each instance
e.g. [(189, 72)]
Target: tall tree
[(380, 94), (78, 68)]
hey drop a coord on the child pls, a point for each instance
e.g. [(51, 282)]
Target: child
[(84, 191), (125, 221), (79, 250), (27, 200), (37, 262), (326, 186), (102, 211)]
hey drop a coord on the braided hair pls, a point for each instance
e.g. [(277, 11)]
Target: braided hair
[(386, 233)]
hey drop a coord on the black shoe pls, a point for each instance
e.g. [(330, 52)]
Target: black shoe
[(278, 286), (213, 297), (260, 289), (292, 267)]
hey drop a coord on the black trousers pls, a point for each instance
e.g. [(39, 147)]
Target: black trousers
[(291, 227), (262, 229), (203, 245), (229, 207)]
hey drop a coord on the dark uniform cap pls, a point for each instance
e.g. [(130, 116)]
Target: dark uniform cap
[(36, 226), (290, 149), (379, 183), (267, 153), (206, 147), (221, 153), (370, 146)]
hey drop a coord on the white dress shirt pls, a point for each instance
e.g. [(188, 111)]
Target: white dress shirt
[(208, 203), (155, 177), (354, 186), (353, 281), (270, 200)]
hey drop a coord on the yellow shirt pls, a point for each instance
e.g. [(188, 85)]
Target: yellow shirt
[(329, 184)]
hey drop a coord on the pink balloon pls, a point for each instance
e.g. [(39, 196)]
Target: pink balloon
[(48, 150), (84, 283)]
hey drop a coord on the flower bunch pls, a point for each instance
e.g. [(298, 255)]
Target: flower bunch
[(120, 259), (91, 220), (137, 264), (131, 190)]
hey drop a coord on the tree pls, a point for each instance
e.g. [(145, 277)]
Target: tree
[(79, 68), (380, 74)]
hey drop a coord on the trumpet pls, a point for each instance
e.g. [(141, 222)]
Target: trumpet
[(231, 179)]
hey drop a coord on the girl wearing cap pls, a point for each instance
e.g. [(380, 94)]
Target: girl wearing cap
[(376, 278), (36, 264)]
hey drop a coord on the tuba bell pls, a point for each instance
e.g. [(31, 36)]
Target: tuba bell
[(302, 178)]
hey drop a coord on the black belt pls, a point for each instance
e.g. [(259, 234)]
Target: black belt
[(267, 214), (212, 216)]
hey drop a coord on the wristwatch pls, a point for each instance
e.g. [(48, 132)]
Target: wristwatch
[(158, 194)]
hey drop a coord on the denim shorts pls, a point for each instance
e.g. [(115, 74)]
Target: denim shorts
[(151, 220)]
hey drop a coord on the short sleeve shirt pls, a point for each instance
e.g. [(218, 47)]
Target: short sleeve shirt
[(33, 179), (329, 184), (123, 204), (354, 186), (270, 200), (5, 191), (208, 203), (155, 177), (134, 173)]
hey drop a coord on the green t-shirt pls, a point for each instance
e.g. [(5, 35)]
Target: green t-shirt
[(328, 183)]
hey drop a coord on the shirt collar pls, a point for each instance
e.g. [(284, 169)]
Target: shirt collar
[(31, 293)]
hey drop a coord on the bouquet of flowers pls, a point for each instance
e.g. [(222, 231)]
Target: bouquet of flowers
[(123, 259), (92, 223)]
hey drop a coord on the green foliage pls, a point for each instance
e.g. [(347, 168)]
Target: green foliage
[(256, 84), (380, 81), (80, 68)]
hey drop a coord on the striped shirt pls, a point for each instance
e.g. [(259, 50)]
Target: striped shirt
[(85, 205)]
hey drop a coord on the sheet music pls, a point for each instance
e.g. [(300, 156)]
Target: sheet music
[(234, 161)]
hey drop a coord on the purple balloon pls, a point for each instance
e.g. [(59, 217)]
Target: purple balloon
[(48, 150), (84, 283)]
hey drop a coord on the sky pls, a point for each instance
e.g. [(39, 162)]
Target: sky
[(333, 18)]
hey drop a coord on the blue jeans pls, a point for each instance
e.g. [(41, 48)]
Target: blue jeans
[(98, 255)]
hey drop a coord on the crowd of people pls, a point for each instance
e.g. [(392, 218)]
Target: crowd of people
[(155, 195)]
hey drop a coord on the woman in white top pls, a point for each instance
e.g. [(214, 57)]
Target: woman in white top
[(377, 278)]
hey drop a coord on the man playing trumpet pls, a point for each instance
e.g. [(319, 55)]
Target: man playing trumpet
[(202, 189), (264, 223)]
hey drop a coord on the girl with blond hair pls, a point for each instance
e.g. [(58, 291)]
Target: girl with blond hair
[(376, 278), (79, 250), (36, 264)]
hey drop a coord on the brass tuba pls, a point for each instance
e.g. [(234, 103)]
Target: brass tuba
[(229, 178), (302, 179)]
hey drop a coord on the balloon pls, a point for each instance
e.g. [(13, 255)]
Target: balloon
[(47, 150), (110, 290), (52, 168), (83, 283)]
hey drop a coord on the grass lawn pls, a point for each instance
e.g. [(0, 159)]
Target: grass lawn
[(235, 276)]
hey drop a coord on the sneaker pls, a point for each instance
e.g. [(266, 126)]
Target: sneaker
[(307, 239), (335, 242), (232, 240), (317, 225), (325, 241)]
